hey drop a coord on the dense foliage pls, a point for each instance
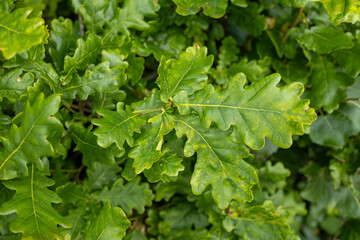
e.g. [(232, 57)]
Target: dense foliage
[(179, 119)]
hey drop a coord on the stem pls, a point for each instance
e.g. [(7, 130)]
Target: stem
[(294, 24), (79, 170), (82, 29), (147, 111), (343, 220)]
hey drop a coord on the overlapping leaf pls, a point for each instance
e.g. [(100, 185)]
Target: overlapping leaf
[(100, 176), (324, 39), (327, 84), (169, 165), (129, 196), (259, 111), (111, 223), (342, 10), (212, 8), (147, 148), (131, 15), (12, 86), (85, 53), (101, 79), (187, 73), (36, 219), (62, 40), (247, 222), (348, 58), (294, 3), (93, 13), (334, 129), (28, 142), (219, 163), (19, 32), (117, 126), (86, 143)]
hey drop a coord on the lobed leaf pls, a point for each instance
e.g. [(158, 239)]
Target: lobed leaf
[(129, 196), (62, 40), (117, 126), (219, 163), (85, 53), (147, 148), (259, 111), (130, 16), (211, 8), (101, 79), (247, 222), (28, 143), (187, 73), (342, 10), (12, 86), (19, 31), (86, 143), (111, 223), (36, 219), (334, 129), (327, 84), (323, 39)]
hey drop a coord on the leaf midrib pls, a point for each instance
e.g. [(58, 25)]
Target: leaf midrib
[(23, 140)]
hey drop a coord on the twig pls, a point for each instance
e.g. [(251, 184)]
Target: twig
[(294, 24), (343, 220), (78, 173), (352, 99), (151, 76), (82, 30)]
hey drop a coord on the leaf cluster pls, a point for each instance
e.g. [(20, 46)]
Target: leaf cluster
[(179, 119)]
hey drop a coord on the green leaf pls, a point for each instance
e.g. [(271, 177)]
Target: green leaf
[(101, 79), (293, 3), (129, 196), (12, 86), (117, 126), (334, 129), (187, 73), (211, 8), (100, 176), (135, 68), (131, 16), (147, 148), (327, 84), (350, 230), (248, 19), (219, 163), (169, 164), (273, 177), (86, 143), (228, 52), (258, 111), (323, 39), (348, 58), (93, 13), (292, 71), (342, 10), (62, 40), (36, 219), (111, 223), (45, 70), (150, 105), (240, 3), (182, 217), (85, 53), (28, 143), (248, 220), (19, 32)]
